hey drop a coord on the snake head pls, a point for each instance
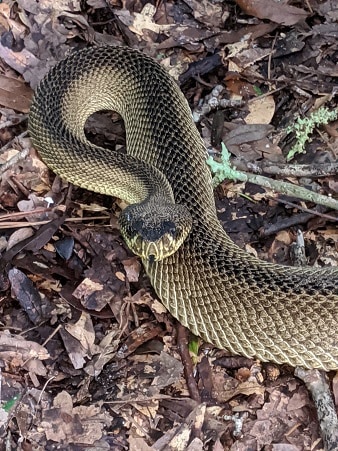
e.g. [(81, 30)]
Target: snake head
[(155, 232)]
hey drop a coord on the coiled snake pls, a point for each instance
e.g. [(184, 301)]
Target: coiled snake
[(228, 297)]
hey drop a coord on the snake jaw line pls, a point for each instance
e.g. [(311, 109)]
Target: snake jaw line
[(153, 251)]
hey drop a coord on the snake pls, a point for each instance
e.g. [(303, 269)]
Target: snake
[(226, 296)]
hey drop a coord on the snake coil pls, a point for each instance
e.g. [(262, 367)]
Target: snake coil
[(228, 297)]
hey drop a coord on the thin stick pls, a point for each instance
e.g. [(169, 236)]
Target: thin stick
[(223, 171)]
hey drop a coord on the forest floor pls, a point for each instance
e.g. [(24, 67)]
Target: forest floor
[(89, 357)]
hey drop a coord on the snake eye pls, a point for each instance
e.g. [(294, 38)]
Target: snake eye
[(169, 228)]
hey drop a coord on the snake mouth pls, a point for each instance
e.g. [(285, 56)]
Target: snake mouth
[(154, 251)]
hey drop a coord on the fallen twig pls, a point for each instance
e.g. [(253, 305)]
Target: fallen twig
[(287, 170), (224, 170), (317, 385)]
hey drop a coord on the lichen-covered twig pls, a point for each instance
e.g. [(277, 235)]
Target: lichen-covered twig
[(315, 170), (224, 171), (318, 386), (212, 102)]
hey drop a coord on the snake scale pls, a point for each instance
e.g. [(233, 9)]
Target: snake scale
[(228, 297)]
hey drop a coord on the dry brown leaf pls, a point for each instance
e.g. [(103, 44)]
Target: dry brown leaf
[(92, 207), (83, 331), (333, 185), (328, 234), (96, 4), (18, 236), (66, 424), (8, 155), (32, 203), (250, 141), (86, 288), (261, 110), (132, 267), (5, 12), (196, 445), (284, 237), (251, 250), (275, 11), (158, 307), (28, 296), (218, 446), (54, 23), (168, 371), (321, 101), (196, 418), (298, 401), (79, 340), (14, 346), (247, 58), (75, 351), (144, 21), (237, 86), (15, 94), (107, 348), (18, 61), (335, 388), (208, 13), (138, 444), (225, 390)]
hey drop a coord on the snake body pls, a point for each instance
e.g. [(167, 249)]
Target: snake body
[(228, 297)]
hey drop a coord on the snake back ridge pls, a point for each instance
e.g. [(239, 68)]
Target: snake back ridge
[(228, 297)]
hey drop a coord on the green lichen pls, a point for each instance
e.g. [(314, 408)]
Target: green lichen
[(223, 170), (303, 128)]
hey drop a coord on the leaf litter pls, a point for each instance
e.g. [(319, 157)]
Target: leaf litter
[(88, 355)]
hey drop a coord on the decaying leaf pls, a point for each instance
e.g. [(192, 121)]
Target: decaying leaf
[(20, 353), (261, 110), (145, 21), (66, 424), (79, 340), (273, 10), (15, 94)]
